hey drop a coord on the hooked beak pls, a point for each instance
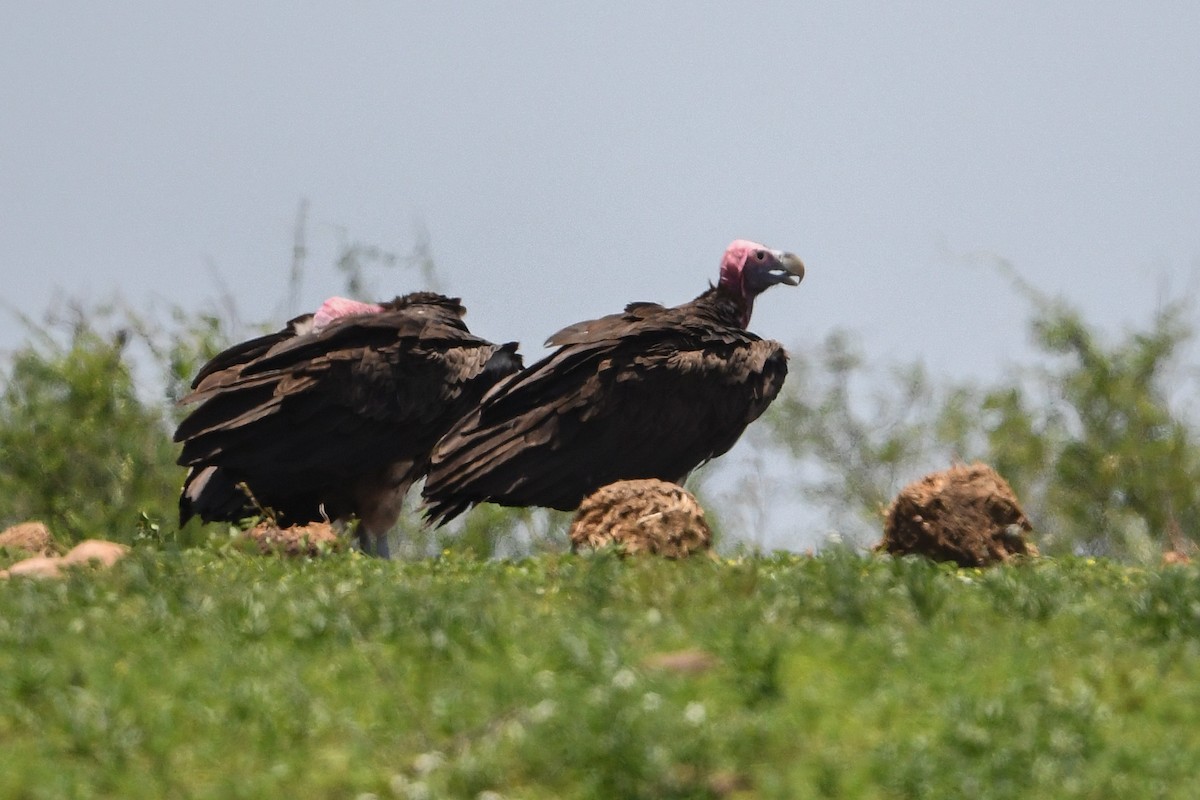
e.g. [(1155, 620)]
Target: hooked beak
[(790, 269)]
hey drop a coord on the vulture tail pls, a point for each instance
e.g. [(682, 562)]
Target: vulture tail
[(209, 493)]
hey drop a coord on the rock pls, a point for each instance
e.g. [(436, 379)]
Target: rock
[(93, 551), (642, 516), (965, 514), (89, 552), (36, 567), (32, 537)]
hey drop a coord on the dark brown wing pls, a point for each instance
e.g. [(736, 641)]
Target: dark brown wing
[(311, 417), (637, 317), (239, 355), (651, 393)]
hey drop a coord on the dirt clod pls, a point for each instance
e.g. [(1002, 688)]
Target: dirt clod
[(967, 514), (642, 516)]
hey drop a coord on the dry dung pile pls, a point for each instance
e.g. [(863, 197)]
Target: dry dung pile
[(299, 540), (642, 516), (965, 514), (32, 537)]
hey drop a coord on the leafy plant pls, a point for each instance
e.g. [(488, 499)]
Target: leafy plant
[(1089, 440), (83, 451)]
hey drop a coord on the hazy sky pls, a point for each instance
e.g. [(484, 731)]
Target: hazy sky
[(567, 158)]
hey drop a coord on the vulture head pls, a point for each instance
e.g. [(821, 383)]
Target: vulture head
[(749, 269)]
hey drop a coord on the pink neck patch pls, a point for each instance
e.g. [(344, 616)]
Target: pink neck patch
[(338, 307), (732, 279)]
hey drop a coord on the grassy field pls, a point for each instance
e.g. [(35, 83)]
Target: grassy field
[(209, 675)]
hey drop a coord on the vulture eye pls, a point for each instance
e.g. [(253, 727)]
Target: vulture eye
[(760, 255)]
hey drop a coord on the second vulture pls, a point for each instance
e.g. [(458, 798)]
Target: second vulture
[(335, 415), (652, 392)]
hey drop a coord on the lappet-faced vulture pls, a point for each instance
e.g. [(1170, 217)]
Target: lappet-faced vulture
[(649, 393), (334, 416)]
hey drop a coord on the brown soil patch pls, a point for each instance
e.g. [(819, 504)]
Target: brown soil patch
[(965, 514), (642, 516), (32, 537), (310, 540)]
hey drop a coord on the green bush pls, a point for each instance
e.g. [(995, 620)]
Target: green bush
[(1089, 439), (82, 451)]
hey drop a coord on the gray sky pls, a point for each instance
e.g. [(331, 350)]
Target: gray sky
[(567, 158)]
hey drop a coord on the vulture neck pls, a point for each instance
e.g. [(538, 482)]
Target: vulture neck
[(726, 307)]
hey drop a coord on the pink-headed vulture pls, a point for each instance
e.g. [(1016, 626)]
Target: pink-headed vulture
[(334, 416), (652, 392)]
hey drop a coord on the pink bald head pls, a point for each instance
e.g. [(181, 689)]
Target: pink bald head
[(750, 268), (338, 307), (735, 261)]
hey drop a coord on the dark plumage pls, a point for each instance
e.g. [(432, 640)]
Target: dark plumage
[(335, 415), (649, 393)]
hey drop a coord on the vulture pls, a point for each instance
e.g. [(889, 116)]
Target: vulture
[(652, 392), (335, 415)]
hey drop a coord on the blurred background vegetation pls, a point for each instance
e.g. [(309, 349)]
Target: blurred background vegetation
[(1096, 435)]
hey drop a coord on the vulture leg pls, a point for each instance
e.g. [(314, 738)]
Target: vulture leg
[(372, 544), (379, 499), (381, 546)]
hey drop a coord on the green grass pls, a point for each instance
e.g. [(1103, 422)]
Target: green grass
[(227, 676)]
